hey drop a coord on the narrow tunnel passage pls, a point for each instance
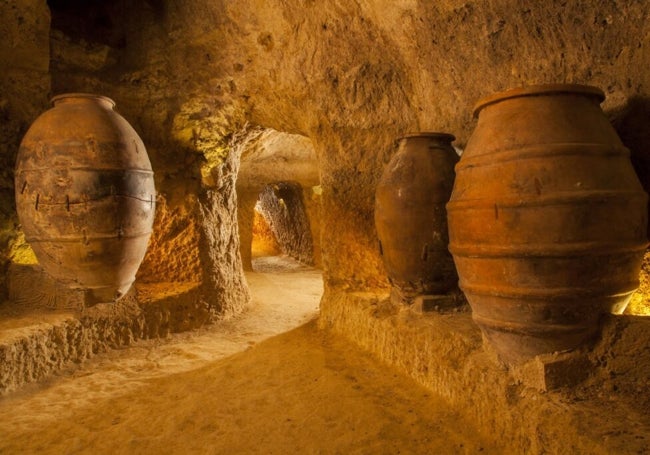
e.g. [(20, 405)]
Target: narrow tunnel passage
[(282, 229), (279, 209)]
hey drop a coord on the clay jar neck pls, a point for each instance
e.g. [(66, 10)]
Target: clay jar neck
[(540, 90), (83, 98), (433, 140)]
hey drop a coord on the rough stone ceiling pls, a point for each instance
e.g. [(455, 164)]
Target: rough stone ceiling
[(270, 156)]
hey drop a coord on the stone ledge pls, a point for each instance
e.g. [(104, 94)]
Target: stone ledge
[(36, 342), (444, 352), (555, 371)]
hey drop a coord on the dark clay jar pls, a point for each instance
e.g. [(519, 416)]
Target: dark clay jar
[(547, 220), (411, 218), (85, 195)]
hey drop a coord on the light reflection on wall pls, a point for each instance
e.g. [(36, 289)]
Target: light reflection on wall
[(20, 252), (640, 302)]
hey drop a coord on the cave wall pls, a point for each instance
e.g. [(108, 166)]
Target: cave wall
[(312, 201), (24, 90), (353, 76), (264, 241), (246, 201)]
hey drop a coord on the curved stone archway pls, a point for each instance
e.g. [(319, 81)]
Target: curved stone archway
[(273, 157)]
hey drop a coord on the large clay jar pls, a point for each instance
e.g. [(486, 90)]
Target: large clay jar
[(547, 220), (411, 218), (85, 195)]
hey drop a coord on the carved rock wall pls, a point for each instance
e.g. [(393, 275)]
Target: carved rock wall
[(264, 241), (24, 90)]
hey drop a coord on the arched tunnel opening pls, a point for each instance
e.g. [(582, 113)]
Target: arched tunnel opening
[(282, 226), (279, 210)]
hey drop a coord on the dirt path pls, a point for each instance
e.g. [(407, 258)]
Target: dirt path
[(232, 389)]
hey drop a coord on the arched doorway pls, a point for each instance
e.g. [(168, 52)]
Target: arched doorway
[(282, 228), (278, 192), (278, 202)]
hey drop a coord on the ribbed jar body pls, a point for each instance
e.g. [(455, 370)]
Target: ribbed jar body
[(411, 218), (547, 220), (85, 195)]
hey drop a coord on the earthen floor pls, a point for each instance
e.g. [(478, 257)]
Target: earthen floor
[(267, 382)]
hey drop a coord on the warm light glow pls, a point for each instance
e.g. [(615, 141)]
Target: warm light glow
[(639, 304), (205, 130), (264, 242), (640, 301), (20, 252)]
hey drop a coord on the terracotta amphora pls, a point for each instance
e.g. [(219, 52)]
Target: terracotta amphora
[(411, 218), (547, 220), (85, 195)]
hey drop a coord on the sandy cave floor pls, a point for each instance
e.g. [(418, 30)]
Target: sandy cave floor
[(266, 382)]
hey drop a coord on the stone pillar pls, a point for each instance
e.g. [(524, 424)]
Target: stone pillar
[(223, 286)]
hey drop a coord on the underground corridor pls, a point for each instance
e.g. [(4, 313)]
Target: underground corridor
[(360, 227)]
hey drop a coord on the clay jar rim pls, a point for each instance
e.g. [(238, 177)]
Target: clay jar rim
[(539, 90), (56, 99), (432, 135)]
